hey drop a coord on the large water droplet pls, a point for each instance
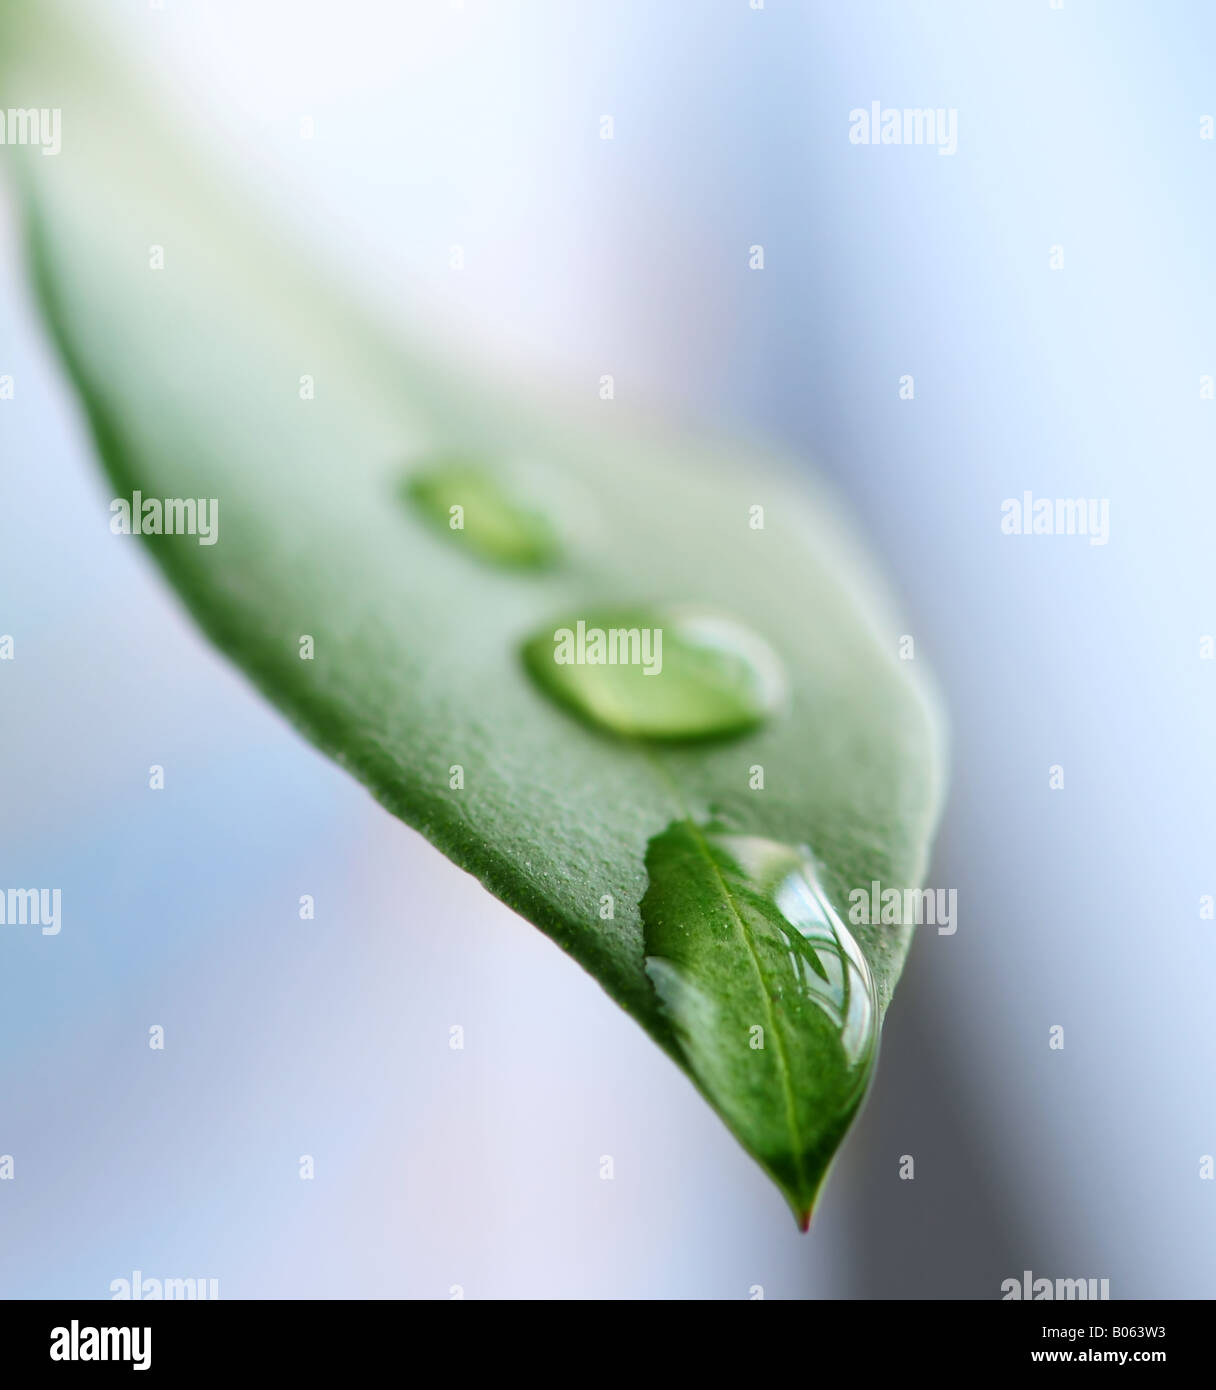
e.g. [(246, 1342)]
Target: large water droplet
[(678, 673), (473, 508), (769, 995)]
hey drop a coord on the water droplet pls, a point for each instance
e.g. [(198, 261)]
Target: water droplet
[(769, 995), (472, 507), (676, 673)]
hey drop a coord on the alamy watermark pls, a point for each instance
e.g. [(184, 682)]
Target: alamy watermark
[(909, 125), (139, 1289), (1041, 1289), (35, 125), (1029, 515), (172, 516), (76, 1343), (35, 907), (614, 646), (916, 907)]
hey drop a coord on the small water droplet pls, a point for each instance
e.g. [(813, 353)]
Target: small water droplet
[(769, 994), (471, 506), (674, 673)]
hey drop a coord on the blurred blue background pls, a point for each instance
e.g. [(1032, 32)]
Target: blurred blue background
[(437, 124)]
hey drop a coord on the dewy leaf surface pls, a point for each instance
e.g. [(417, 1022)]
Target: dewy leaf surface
[(771, 997), (191, 379)]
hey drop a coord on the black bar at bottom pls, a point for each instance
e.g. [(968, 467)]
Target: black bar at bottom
[(100, 1338)]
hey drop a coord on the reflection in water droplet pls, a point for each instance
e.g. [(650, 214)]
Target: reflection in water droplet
[(828, 961), (671, 673), (473, 509), (770, 996)]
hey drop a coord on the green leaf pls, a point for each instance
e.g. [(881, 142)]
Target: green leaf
[(771, 997), (467, 504), (689, 674), (331, 527)]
